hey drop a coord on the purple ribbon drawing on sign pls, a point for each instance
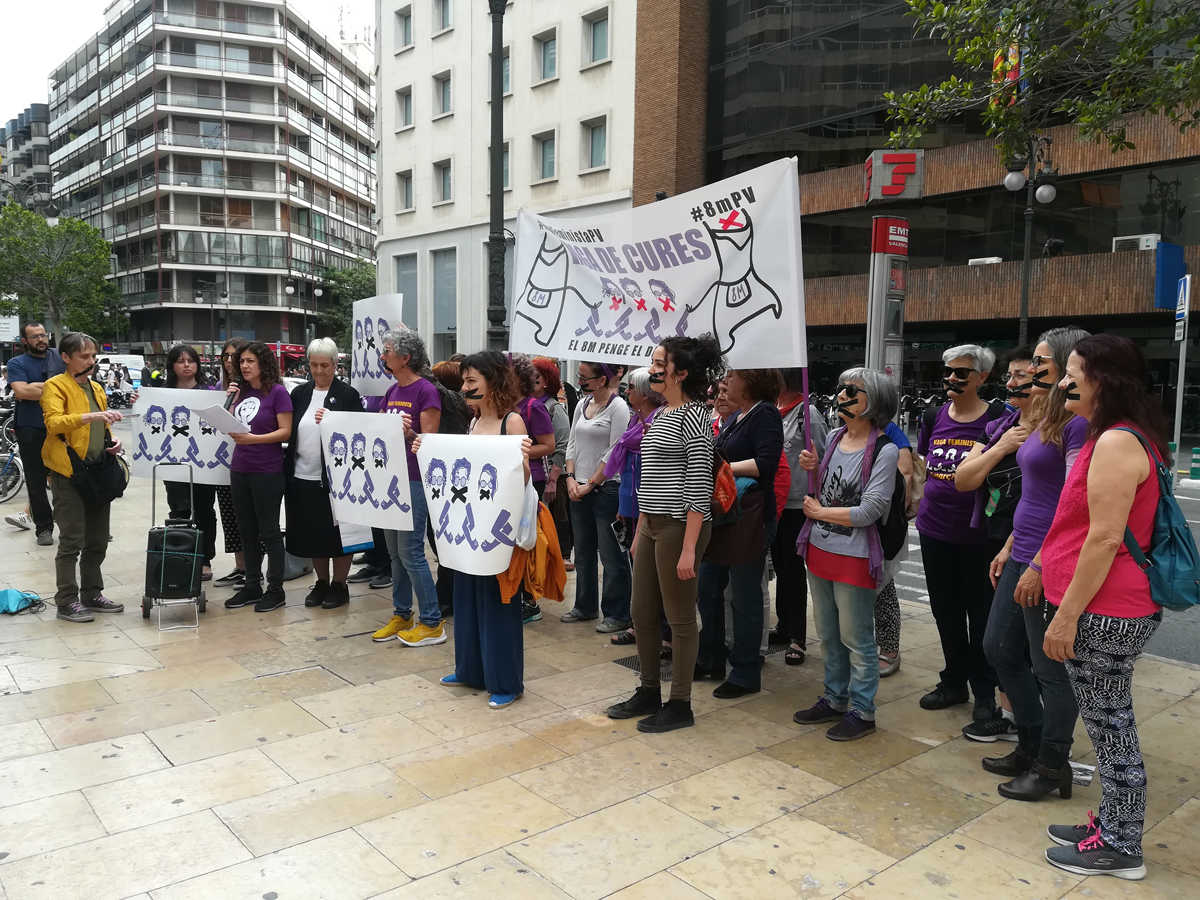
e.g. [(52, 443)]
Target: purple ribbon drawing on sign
[(502, 531), (221, 458), (443, 529), (468, 525), (193, 454), (393, 497)]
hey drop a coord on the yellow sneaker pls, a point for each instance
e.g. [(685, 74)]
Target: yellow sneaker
[(391, 629), (421, 635)]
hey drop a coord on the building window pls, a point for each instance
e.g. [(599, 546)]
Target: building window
[(445, 302), (404, 110), (545, 55), (543, 157), (442, 181), (595, 36), (404, 28), (503, 167), (443, 103), (505, 68), (595, 143), (406, 285), (443, 15), (404, 191)]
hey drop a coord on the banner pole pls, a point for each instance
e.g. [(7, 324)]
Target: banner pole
[(812, 476)]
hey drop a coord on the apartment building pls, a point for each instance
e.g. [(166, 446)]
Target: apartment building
[(227, 151), (568, 89), (25, 157)]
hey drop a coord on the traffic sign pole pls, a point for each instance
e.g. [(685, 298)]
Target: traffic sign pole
[(1182, 305)]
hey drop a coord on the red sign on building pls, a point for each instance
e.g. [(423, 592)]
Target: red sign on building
[(894, 175)]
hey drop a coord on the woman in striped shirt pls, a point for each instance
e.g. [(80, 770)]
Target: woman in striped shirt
[(673, 527)]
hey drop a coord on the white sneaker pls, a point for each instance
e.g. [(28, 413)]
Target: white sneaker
[(20, 520)]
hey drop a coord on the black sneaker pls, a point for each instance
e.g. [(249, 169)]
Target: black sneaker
[(1070, 835), (644, 700), (674, 714), (316, 597), (363, 575), (103, 605), (988, 731), (943, 697), (851, 728), (250, 593), (75, 612), (338, 595), (727, 690), (273, 599), (1092, 856), (380, 581), (236, 578), (820, 711), (530, 612)]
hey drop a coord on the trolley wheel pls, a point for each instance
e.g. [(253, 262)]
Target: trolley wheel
[(145, 607), (202, 603)]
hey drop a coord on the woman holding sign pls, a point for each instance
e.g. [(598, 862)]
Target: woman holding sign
[(184, 372), (312, 533), (256, 474), (674, 522), (489, 650)]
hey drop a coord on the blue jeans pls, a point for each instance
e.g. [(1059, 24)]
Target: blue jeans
[(410, 569), (845, 620), (591, 521), (747, 602), (1037, 687)]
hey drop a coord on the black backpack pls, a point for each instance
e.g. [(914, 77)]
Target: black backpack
[(893, 529)]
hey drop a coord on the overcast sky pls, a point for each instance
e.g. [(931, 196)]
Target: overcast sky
[(39, 34)]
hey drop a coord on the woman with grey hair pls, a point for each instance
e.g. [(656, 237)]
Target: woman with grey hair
[(843, 552), (957, 555), (417, 399), (312, 532)]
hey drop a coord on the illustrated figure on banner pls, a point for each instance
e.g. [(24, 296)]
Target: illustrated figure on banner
[(381, 328), (367, 478), (739, 294), (379, 453), (356, 353), (336, 466), (373, 318), (547, 289)]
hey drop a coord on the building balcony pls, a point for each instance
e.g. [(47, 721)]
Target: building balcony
[(215, 23), (266, 300), (220, 182), (218, 64), (257, 108)]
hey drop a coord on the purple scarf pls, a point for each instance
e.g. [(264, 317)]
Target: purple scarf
[(629, 442)]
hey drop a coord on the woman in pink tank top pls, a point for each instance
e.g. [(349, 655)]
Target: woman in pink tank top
[(1099, 599)]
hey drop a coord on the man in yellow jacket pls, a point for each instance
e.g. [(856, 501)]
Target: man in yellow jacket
[(76, 413)]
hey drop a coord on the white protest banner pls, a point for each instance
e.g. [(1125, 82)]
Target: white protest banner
[(372, 317), (474, 489), (169, 430), (366, 465), (723, 259)]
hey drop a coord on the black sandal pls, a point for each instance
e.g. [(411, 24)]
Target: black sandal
[(793, 656), (624, 639)]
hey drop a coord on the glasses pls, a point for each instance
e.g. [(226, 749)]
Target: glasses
[(1038, 361), (229, 356), (583, 377), (851, 390), (962, 373)]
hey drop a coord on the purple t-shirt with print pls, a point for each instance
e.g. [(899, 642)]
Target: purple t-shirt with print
[(537, 421), (945, 514), (1043, 473), (260, 410), (412, 399)]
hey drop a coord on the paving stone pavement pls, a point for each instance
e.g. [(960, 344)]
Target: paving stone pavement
[(286, 755)]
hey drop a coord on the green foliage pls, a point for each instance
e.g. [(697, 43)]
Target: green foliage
[(1091, 63), (343, 287), (55, 273)]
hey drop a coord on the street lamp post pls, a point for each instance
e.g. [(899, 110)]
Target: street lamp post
[(1039, 185), (497, 333), (318, 293)]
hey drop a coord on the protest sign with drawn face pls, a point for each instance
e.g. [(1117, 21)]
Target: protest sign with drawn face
[(373, 316), (474, 488), (367, 487), (168, 430)]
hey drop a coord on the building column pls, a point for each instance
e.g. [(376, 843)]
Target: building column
[(670, 98)]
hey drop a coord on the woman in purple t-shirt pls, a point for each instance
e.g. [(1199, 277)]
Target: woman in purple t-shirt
[(417, 399), (954, 554), (256, 474), (1043, 703)]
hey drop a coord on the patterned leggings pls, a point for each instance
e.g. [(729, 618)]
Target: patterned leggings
[(887, 619), (1102, 678)]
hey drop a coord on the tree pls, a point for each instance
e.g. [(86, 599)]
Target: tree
[(57, 272), (1030, 64), (344, 287)]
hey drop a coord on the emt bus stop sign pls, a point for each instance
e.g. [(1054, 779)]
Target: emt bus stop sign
[(1182, 302)]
